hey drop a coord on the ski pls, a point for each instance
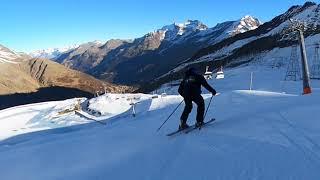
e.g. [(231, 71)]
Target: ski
[(190, 128), (194, 127), (178, 131)]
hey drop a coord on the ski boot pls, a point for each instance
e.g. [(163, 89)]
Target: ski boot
[(199, 124), (183, 125)]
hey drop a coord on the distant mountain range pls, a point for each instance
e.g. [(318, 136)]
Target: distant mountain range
[(163, 55), (22, 74), (51, 53), (270, 43), (134, 62)]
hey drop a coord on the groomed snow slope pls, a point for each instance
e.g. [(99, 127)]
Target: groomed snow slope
[(258, 134), (36, 117)]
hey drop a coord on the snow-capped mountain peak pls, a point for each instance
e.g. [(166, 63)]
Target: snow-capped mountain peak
[(250, 22), (246, 23), (92, 43), (192, 25), (52, 53), (179, 29)]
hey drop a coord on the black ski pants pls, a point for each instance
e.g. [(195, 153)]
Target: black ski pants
[(198, 99)]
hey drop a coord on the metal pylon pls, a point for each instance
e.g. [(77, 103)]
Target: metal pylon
[(293, 70)]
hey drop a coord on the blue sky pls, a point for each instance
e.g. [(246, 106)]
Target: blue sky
[(28, 25)]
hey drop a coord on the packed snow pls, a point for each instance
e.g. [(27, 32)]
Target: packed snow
[(270, 132), (36, 117)]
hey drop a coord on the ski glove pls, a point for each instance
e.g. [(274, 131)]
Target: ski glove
[(214, 92)]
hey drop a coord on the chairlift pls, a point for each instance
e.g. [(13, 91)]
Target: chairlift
[(207, 74), (220, 74)]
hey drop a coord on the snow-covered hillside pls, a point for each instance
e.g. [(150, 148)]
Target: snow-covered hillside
[(271, 132), (270, 40), (8, 56)]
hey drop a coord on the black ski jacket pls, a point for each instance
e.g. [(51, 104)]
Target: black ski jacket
[(191, 84)]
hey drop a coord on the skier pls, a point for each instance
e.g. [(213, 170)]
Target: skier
[(190, 90)]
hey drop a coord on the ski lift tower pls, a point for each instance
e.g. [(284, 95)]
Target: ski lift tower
[(298, 26), (293, 70)]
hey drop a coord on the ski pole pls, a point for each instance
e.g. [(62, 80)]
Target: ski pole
[(208, 107), (169, 116)]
